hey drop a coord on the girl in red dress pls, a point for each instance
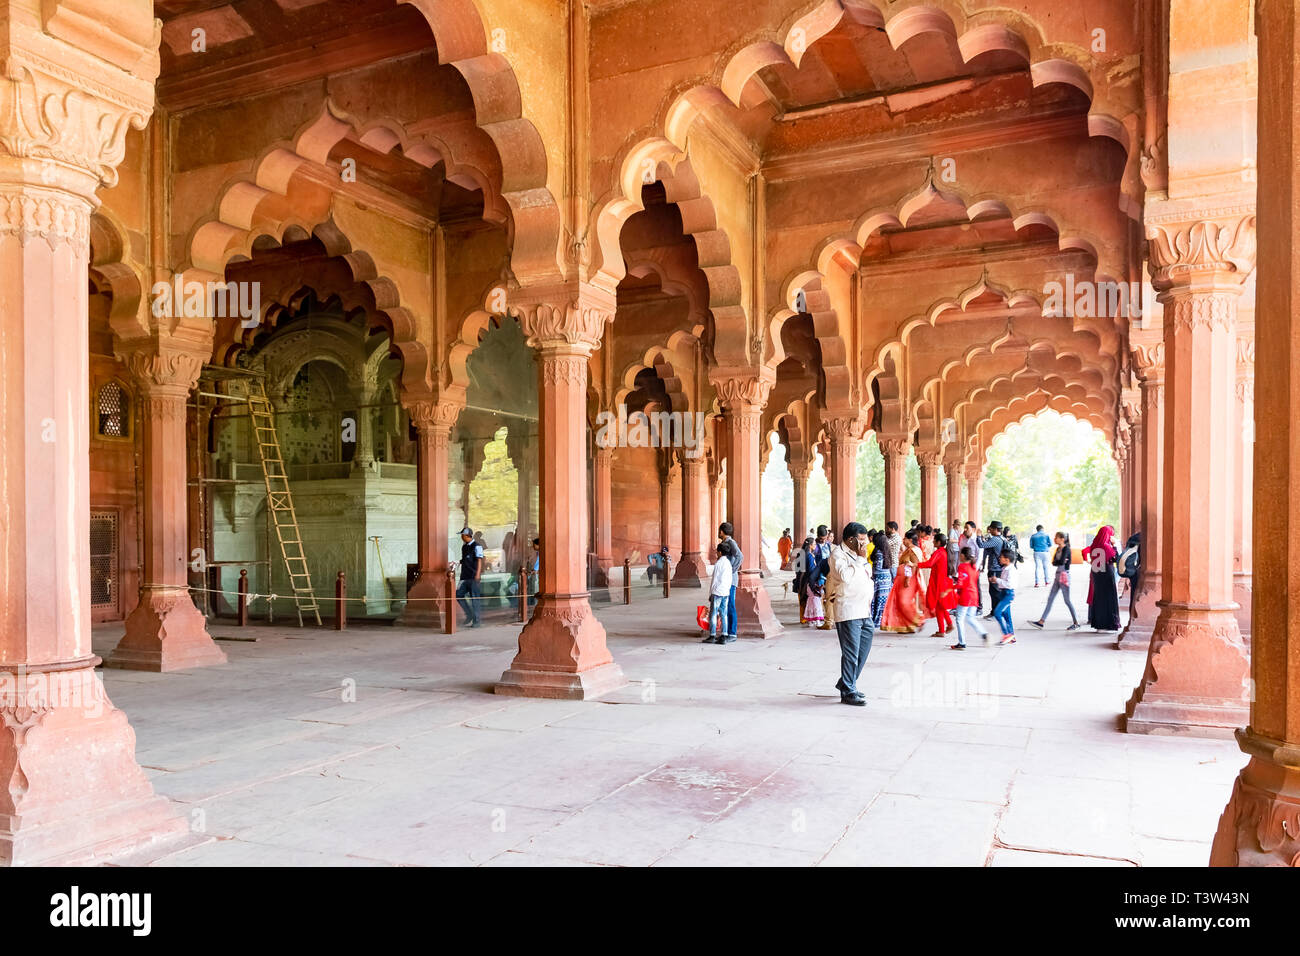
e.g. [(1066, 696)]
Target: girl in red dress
[(940, 596)]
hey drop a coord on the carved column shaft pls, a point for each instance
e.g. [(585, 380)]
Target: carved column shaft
[(1261, 824), (1195, 679), (602, 477), (845, 435), (426, 605), (691, 570), (743, 395), (895, 452), (929, 465), (1150, 589), (73, 790), (975, 494), (799, 479), (562, 650), (952, 478)]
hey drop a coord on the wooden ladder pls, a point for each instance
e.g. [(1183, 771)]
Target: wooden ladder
[(279, 499)]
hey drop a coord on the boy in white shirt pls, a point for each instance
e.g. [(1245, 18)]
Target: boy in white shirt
[(719, 595), (1006, 592)]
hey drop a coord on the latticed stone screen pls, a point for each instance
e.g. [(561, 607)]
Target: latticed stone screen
[(111, 405), (103, 558)]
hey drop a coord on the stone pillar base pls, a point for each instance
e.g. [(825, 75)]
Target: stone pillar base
[(1197, 676), (1136, 636), (692, 571), (1261, 824), (75, 794), (754, 616), (165, 632), (420, 611), (562, 654)]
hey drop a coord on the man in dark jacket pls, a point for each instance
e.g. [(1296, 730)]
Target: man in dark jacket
[(991, 546)]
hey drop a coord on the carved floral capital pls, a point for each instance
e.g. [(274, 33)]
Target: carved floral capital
[(743, 389), (1222, 247), (72, 84), (565, 316)]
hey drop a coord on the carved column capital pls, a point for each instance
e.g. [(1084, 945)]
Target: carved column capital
[(163, 370), (570, 315), (845, 428), (743, 389), (75, 79), (434, 419), (929, 458), (1149, 362), (894, 447), (1218, 249)]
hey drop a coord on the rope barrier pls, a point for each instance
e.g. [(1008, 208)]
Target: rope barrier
[(358, 600)]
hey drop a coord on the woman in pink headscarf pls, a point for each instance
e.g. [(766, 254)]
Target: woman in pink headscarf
[(1103, 596)]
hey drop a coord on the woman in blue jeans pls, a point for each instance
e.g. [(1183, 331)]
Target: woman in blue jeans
[(1006, 594)]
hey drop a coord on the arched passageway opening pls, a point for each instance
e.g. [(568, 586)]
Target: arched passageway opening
[(1055, 470)]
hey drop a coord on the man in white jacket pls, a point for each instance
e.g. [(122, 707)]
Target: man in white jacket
[(850, 587)]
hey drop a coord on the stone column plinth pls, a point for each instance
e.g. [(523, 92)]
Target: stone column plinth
[(743, 393), (165, 631), (692, 571), (426, 604), (1149, 362), (1261, 824), (895, 452), (562, 650), (73, 791), (1197, 667)]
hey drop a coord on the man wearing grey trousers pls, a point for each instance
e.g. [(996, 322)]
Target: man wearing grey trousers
[(850, 587)]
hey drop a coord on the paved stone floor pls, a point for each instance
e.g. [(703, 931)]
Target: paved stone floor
[(712, 755)]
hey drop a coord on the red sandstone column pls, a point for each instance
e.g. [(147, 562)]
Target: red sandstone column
[(1197, 666), (72, 789), (665, 495), (691, 570), (1245, 480), (929, 462), (562, 651), (1120, 456), (975, 493), (1149, 361), (844, 434), (433, 423), (743, 393), (952, 479), (1261, 824), (799, 478), (603, 482), (165, 631), (895, 452)]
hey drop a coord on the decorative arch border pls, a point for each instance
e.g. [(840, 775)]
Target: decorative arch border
[(655, 159), (397, 319), (975, 33), (1025, 407)]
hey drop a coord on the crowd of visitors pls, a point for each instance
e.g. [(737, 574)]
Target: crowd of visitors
[(895, 581)]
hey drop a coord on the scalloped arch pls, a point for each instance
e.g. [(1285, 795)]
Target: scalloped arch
[(658, 160)]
